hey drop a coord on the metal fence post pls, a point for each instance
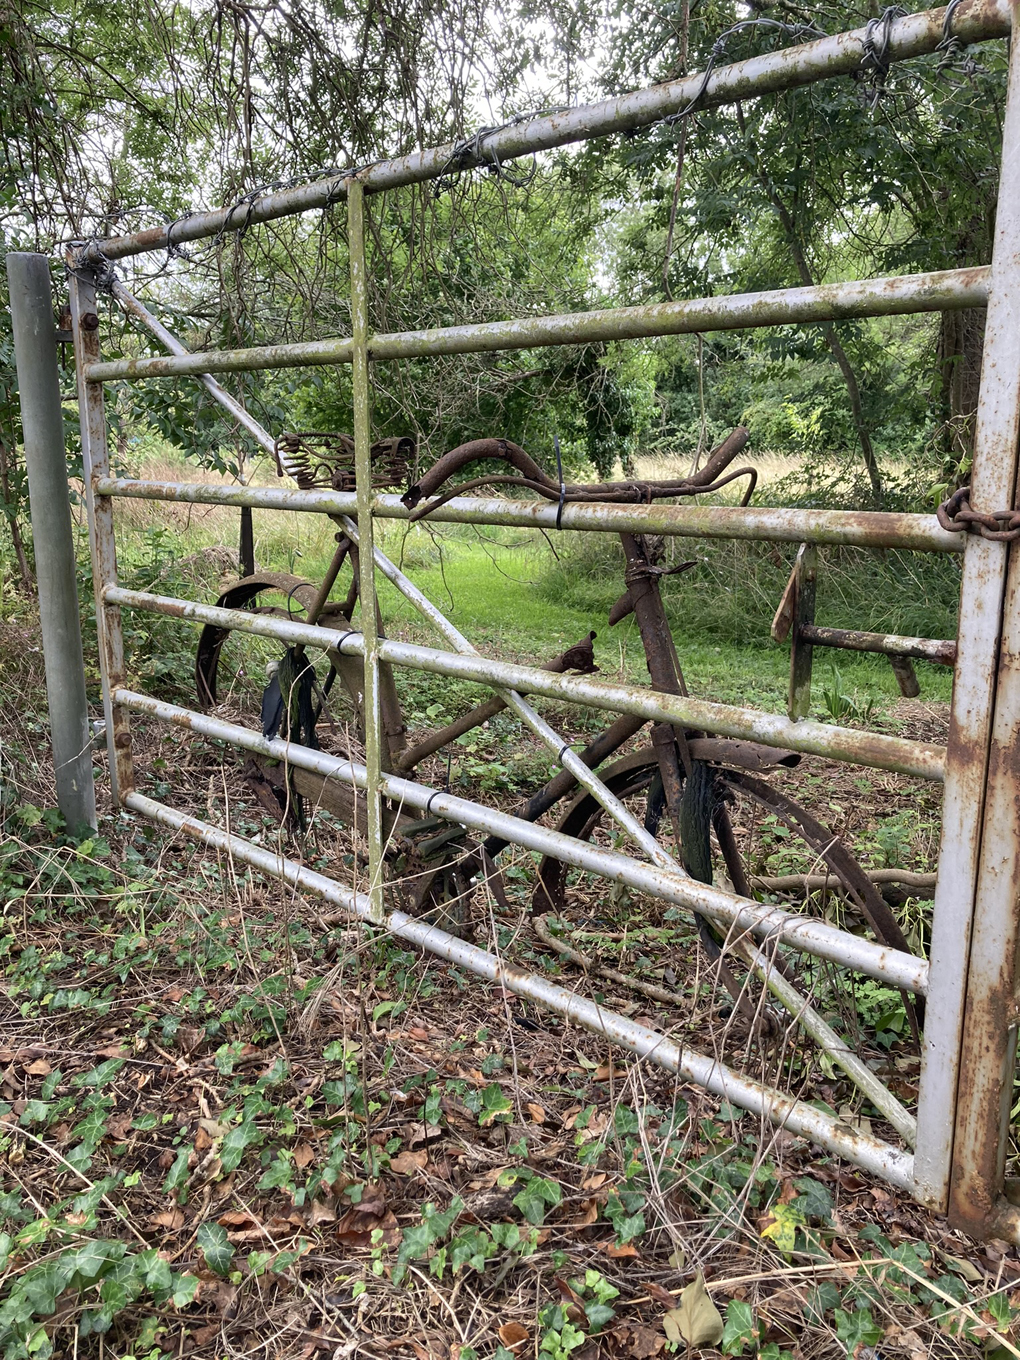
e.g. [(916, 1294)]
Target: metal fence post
[(35, 348), (978, 857), (96, 464), (366, 537)]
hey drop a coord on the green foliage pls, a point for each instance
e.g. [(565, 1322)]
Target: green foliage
[(93, 1279), (841, 706)]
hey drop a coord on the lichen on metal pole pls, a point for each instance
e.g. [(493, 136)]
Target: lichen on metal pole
[(362, 390), (856, 528), (35, 350)]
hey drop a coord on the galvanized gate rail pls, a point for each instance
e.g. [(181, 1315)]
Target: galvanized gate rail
[(970, 983)]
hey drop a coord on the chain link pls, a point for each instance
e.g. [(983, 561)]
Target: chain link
[(955, 514)]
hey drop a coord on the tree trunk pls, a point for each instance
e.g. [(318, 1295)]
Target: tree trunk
[(961, 340), (835, 348), (832, 339), (6, 492)]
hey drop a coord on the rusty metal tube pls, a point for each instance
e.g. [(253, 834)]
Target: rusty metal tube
[(934, 292), (771, 729), (967, 1070), (102, 540), (940, 650), (856, 528), (796, 1116), (909, 36), (773, 923)]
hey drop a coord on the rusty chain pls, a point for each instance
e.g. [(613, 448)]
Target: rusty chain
[(955, 514)]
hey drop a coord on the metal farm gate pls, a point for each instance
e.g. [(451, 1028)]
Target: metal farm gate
[(952, 1155)]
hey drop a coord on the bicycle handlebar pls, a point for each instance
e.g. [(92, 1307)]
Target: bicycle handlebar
[(532, 477)]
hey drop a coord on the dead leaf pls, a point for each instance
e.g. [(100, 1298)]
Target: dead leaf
[(118, 1127), (317, 1213), (304, 1153), (202, 1335), (963, 1268), (635, 1341), (39, 1068), (595, 1181), (514, 1337), (423, 1133), (568, 1294), (619, 1250), (202, 1140), (236, 1218), (356, 1229), (659, 1294), (678, 1260), (169, 1218), (606, 1071), (407, 1163), (588, 1215), (536, 1112), (697, 1320)]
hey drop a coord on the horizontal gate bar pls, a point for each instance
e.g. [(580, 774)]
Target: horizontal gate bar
[(796, 1116), (941, 650), (772, 729), (934, 292), (856, 528), (909, 36), (799, 932)]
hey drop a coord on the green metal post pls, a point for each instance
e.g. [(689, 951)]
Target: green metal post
[(366, 564), (35, 350)]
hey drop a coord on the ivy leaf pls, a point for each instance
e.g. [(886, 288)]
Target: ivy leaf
[(536, 1196), (178, 1173), (494, 1103), (697, 1320), (598, 1315), (415, 1243), (814, 1200), (785, 1220), (857, 1329), (212, 1240), (235, 1142), (185, 1288), (740, 1329)]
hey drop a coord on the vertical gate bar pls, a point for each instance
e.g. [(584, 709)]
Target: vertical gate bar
[(96, 464), (366, 538), (988, 1052), (801, 651), (42, 423), (957, 896)]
